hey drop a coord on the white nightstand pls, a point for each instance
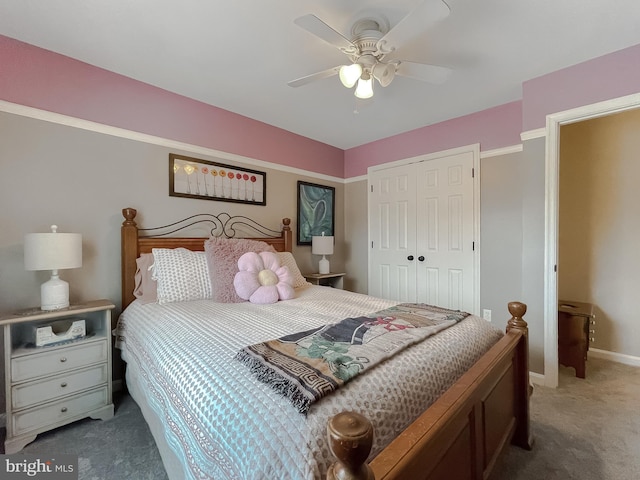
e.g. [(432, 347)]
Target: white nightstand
[(334, 280), (50, 386)]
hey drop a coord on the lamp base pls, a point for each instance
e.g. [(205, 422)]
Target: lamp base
[(54, 294), (323, 265)]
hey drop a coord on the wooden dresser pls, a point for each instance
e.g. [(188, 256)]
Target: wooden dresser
[(576, 322)]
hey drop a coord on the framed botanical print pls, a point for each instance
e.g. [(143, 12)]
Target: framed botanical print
[(195, 178)]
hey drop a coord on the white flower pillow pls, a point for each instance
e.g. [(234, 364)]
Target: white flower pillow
[(181, 274), (261, 279)]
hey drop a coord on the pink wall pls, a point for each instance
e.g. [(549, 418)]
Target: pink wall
[(603, 78), (493, 128), (42, 79)]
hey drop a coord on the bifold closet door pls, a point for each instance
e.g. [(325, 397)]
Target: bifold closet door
[(421, 220)]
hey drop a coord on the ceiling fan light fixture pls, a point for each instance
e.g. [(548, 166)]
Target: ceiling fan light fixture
[(365, 86), (384, 73), (349, 74)]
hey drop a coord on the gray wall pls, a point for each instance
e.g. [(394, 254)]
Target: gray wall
[(81, 180), (356, 230), (500, 234), (532, 184)]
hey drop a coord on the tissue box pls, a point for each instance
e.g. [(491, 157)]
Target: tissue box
[(60, 331)]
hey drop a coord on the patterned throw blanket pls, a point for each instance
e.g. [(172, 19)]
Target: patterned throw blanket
[(309, 365)]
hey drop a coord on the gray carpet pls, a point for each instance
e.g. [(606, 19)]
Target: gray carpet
[(585, 429), (117, 449)]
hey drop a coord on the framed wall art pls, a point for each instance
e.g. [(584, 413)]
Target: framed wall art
[(195, 178), (316, 211)]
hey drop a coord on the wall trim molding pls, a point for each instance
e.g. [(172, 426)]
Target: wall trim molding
[(531, 134), (615, 357), (359, 178), (496, 152), (96, 127)]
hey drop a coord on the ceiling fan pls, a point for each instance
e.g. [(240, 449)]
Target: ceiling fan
[(371, 42)]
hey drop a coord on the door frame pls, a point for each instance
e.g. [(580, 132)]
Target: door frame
[(552, 169), (474, 149)]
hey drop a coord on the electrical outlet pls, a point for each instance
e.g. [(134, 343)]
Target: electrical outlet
[(486, 314)]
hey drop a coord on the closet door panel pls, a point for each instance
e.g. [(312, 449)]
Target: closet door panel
[(392, 234)]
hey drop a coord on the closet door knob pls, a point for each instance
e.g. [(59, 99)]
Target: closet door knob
[(421, 258), (410, 257)]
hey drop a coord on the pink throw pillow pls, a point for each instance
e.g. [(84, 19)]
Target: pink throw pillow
[(262, 280), (222, 259)]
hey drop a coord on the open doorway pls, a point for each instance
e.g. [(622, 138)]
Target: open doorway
[(591, 166)]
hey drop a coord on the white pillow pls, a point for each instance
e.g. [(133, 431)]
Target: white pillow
[(181, 274), (287, 260)]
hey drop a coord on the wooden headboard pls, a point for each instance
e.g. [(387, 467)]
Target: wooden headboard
[(136, 241)]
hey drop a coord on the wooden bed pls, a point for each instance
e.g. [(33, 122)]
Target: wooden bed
[(459, 437)]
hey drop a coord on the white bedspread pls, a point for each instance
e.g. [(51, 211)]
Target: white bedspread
[(224, 424)]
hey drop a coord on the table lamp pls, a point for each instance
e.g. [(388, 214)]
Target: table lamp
[(53, 251), (322, 245)]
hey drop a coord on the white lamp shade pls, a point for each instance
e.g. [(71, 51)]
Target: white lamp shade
[(384, 73), (52, 251), (364, 88), (349, 74), (322, 245)]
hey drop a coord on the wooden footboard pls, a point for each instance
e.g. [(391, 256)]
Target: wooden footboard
[(462, 434)]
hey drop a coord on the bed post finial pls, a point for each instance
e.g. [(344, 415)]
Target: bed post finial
[(350, 438), (517, 311), (129, 214), (287, 234)]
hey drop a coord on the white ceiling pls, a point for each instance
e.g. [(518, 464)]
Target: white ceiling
[(239, 54)]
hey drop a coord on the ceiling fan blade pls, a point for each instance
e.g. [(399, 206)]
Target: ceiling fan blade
[(424, 72), (423, 17), (317, 27), (298, 82)]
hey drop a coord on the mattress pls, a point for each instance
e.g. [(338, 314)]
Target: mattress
[(210, 414)]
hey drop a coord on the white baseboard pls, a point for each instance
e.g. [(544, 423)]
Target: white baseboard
[(536, 378), (615, 357)]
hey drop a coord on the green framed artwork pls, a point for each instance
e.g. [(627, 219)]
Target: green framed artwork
[(316, 211)]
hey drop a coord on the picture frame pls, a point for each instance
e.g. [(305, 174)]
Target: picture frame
[(316, 211), (203, 179)]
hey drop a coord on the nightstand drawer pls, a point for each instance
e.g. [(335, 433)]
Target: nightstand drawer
[(57, 412), (57, 361), (31, 393)]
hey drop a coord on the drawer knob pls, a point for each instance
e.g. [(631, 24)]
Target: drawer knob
[(63, 359), (592, 331), (63, 409), (63, 384), (592, 339)]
